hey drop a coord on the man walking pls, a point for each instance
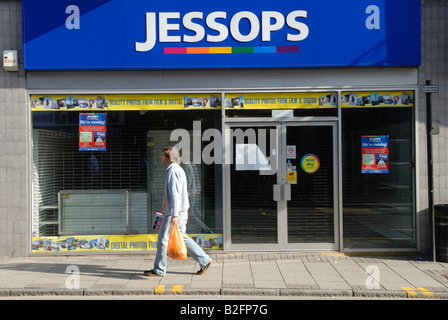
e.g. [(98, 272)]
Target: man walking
[(175, 206)]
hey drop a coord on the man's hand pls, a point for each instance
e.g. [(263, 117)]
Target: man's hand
[(174, 220)]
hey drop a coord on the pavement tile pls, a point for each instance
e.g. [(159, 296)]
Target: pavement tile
[(205, 284), (331, 285), (270, 284)]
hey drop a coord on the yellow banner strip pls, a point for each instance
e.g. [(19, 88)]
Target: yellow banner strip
[(282, 100), (136, 242), (278, 100), (377, 99), (125, 102)]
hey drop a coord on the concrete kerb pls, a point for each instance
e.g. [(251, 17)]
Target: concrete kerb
[(316, 293), (117, 292), (5, 292), (385, 294), (249, 292), (441, 295), (380, 294), (45, 292), (193, 291)]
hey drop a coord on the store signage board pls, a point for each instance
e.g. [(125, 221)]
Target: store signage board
[(174, 34)]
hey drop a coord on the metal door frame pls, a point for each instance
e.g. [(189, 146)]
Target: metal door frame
[(228, 145), (282, 223)]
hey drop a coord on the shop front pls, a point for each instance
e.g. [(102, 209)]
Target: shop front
[(282, 151), (269, 171)]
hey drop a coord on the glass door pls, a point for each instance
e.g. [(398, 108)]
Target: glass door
[(311, 175), (253, 155)]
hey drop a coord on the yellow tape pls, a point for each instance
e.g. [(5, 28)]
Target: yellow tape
[(177, 288), (426, 293), (160, 289), (411, 292)]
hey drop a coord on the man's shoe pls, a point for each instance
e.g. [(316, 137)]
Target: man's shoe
[(151, 273), (203, 269)]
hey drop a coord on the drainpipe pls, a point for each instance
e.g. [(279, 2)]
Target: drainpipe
[(430, 174)]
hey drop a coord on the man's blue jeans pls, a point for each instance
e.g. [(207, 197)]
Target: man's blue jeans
[(193, 249)]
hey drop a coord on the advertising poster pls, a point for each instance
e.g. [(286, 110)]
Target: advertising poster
[(118, 102), (92, 132), (102, 243), (375, 154), (282, 100), (377, 99)]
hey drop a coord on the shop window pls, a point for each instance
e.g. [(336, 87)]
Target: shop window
[(378, 205), (116, 191)]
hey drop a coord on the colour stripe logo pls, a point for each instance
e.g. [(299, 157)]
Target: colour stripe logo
[(230, 50)]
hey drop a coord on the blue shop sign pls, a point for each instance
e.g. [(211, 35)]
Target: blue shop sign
[(174, 34)]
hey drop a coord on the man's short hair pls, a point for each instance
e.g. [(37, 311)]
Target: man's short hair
[(172, 153)]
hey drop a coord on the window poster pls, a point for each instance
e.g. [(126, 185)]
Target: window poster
[(92, 132), (375, 154)]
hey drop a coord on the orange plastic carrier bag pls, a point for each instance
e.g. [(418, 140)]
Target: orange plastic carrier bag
[(176, 244)]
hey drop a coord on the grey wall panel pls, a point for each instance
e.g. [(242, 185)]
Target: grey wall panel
[(221, 79)]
